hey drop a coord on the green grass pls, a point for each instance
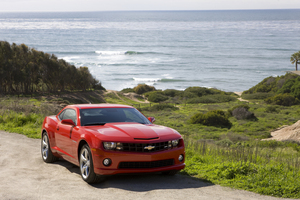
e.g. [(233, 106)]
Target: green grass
[(26, 124), (232, 157), (268, 171)]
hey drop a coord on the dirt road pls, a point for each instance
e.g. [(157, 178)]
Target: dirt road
[(23, 175)]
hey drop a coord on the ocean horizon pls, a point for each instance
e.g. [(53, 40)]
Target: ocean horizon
[(231, 50)]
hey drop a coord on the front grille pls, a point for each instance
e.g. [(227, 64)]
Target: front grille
[(144, 165), (145, 147)]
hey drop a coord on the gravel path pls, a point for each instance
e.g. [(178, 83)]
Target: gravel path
[(23, 175)]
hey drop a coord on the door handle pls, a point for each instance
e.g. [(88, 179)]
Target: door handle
[(57, 128)]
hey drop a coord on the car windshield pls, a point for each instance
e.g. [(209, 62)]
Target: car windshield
[(101, 116)]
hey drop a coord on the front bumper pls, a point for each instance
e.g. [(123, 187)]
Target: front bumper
[(117, 157)]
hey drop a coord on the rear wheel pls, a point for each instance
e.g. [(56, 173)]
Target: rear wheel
[(86, 165), (47, 154)]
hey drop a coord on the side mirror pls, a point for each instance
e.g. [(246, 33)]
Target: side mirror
[(151, 119), (68, 122)]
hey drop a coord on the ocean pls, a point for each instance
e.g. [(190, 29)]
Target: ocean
[(227, 50)]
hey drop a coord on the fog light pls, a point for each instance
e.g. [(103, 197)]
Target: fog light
[(107, 162), (180, 158)]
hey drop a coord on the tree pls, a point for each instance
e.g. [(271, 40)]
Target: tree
[(295, 58)]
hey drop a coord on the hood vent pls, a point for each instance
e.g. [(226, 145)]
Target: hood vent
[(146, 138)]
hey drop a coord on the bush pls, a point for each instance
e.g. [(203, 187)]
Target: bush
[(127, 90), (271, 84), (271, 109), (212, 118), (200, 91), (292, 87), (218, 98), (173, 93), (242, 113), (283, 100), (189, 95), (238, 106), (257, 95), (142, 88), (157, 97), (159, 107)]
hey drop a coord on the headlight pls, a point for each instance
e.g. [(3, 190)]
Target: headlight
[(109, 145), (175, 143)]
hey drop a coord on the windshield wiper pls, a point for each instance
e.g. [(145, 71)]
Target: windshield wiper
[(95, 123)]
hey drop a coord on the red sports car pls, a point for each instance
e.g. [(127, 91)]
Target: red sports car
[(107, 139)]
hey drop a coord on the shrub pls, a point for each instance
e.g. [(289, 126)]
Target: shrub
[(189, 95), (127, 90), (283, 100), (142, 88), (217, 98), (257, 95), (271, 84), (200, 91), (242, 113), (292, 87), (157, 97), (212, 118), (159, 107), (205, 99), (238, 106), (271, 109), (173, 93)]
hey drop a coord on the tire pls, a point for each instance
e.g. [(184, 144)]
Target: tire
[(46, 152), (170, 173), (86, 165)]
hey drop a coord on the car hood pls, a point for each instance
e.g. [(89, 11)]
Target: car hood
[(132, 131)]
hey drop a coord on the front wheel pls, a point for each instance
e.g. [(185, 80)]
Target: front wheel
[(47, 154), (86, 165)]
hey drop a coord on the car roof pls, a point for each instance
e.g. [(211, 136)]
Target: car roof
[(91, 106)]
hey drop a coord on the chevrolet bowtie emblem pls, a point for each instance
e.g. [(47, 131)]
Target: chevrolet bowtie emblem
[(149, 148)]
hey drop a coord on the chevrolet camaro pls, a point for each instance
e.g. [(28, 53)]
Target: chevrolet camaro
[(108, 139)]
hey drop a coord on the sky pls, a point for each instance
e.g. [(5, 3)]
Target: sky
[(131, 5)]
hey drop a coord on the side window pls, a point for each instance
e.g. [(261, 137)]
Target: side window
[(69, 114), (60, 116)]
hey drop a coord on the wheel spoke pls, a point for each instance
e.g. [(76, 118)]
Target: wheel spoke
[(44, 152), (86, 171), (83, 169), (45, 143), (83, 158)]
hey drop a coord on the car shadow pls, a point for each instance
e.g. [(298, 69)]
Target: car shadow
[(69, 166), (142, 182), (148, 182)]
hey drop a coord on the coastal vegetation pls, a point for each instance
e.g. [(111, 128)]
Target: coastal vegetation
[(223, 136), (24, 71), (282, 90), (229, 154)]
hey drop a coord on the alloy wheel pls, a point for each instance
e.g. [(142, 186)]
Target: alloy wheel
[(45, 147), (85, 163)]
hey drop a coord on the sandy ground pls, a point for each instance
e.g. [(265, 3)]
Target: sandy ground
[(23, 175), (240, 98), (287, 133)]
